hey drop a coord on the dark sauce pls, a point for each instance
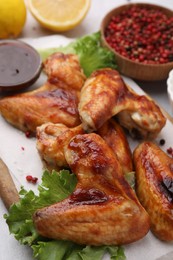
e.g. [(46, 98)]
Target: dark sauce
[(20, 65)]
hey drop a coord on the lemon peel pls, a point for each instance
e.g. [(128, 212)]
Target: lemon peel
[(12, 18)]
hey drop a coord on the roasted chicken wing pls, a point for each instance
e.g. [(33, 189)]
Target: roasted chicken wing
[(154, 184), (103, 209), (105, 94), (64, 70), (54, 102), (51, 139)]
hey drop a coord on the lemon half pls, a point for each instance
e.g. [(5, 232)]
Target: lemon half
[(59, 15)]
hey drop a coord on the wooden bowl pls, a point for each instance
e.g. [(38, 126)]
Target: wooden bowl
[(133, 69)]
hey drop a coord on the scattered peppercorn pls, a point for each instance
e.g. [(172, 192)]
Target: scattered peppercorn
[(142, 34), (162, 141), (32, 179), (28, 134), (170, 151)]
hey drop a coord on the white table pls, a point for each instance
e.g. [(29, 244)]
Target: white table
[(9, 247)]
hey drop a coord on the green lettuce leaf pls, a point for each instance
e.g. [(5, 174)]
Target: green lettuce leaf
[(58, 250), (92, 55), (54, 188)]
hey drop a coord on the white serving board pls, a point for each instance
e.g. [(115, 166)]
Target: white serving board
[(20, 155)]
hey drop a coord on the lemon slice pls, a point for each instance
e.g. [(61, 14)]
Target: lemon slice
[(59, 15)]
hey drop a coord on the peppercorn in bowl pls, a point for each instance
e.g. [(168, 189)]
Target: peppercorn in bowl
[(141, 36)]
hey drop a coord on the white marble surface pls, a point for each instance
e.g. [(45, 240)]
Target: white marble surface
[(9, 247)]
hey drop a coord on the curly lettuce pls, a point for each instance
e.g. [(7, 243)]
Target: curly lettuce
[(92, 55)]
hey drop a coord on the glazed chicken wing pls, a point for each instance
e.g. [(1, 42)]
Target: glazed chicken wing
[(64, 69), (103, 209), (54, 102), (51, 139), (154, 184), (105, 94)]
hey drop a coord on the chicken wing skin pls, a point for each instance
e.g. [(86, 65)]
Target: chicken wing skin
[(64, 69), (114, 136), (103, 209), (105, 94), (154, 183), (56, 103), (28, 110), (52, 138), (50, 141)]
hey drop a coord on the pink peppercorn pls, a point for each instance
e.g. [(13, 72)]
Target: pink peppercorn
[(32, 179), (170, 151), (28, 134), (29, 178), (142, 34)]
